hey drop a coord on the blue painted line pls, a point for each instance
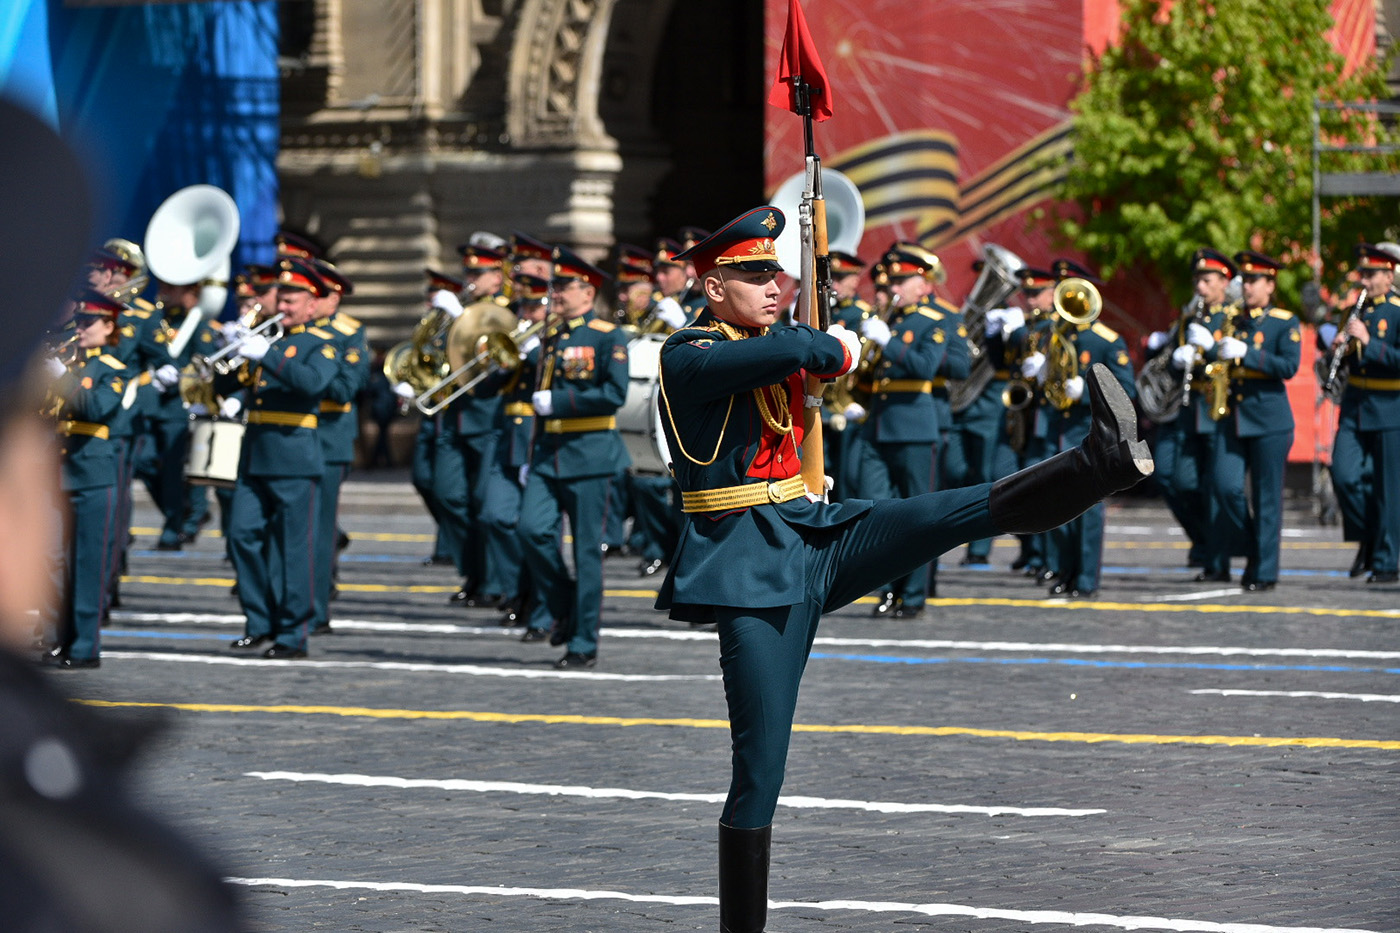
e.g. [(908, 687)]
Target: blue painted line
[(379, 559), (1128, 665), (174, 636), (1163, 571)]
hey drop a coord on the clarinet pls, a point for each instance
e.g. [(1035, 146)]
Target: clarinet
[(1186, 323), (1340, 353)]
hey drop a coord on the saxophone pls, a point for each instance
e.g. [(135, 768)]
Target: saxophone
[(1219, 373)]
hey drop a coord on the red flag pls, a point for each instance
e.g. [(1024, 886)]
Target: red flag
[(799, 59)]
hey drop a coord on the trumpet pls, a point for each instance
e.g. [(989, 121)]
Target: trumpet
[(224, 360), (1077, 302)]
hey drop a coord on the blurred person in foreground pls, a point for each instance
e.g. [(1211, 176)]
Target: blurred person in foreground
[(76, 855)]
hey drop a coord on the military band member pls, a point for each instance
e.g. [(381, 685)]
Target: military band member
[(1030, 340), (338, 427), (674, 298), (529, 256), (764, 560), (849, 310), (1368, 422), (276, 497), (1078, 544), (1255, 436), (1184, 445), (582, 383), (87, 395), (634, 291)]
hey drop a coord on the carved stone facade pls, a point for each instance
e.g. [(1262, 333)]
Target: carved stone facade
[(410, 124)]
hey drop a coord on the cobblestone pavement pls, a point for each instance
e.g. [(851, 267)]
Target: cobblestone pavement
[(1168, 756)]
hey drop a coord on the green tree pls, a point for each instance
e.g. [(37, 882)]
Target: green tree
[(1196, 130)]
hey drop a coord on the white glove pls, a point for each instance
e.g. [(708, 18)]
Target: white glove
[(1033, 365), (854, 411), (1182, 357), (444, 300), (670, 312), (850, 341), (1198, 336), (1074, 388), (872, 328), (528, 346), (254, 348), (198, 410), (524, 475), (230, 407), (827, 485), (543, 401), (994, 321), (405, 391), (234, 331), (166, 377), (1232, 348), (54, 368), (1156, 340), (1015, 320)]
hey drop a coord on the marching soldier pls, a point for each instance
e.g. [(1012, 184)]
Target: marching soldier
[(582, 383), (1078, 548), (1256, 434), (763, 559), (442, 291), (275, 500), (529, 256), (674, 302), (848, 310), (634, 292), (1368, 423), (903, 425), (1030, 340), (87, 396), (338, 427)]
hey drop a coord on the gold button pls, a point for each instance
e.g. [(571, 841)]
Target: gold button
[(780, 458)]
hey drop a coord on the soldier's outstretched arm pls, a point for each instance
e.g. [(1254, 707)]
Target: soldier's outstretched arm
[(711, 368)]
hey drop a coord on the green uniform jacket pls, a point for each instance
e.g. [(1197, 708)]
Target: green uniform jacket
[(339, 425), (1377, 407), (750, 557), (585, 366), (154, 353), (957, 362), (89, 397), (916, 352), (1093, 343), (1258, 396)]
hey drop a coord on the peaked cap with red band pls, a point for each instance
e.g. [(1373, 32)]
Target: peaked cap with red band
[(845, 263), (1033, 279), (298, 273), (1069, 269), (746, 242), (95, 304), (1206, 260), (481, 258), (333, 277), (527, 247), (1252, 263), (530, 288), (570, 265), (634, 256), (628, 274), (441, 282), (103, 258), (902, 260), (689, 236), (289, 244), (1370, 257), (666, 252)]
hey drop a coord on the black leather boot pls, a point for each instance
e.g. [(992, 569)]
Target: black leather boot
[(743, 878), (1054, 491)]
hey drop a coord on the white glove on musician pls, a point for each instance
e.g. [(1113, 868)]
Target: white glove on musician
[(854, 411), (872, 328), (444, 300), (670, 312), (231, 407), (994, 321), (1156, 341), (1184, 357), (166, 377), (1015, 320), (543, 400), (54, 367), (1033, 367), (528, 346), (1232, 348), (1074, 388), (254, 348), (405, 391), (851, 342), (1198, 336), (524, 475)]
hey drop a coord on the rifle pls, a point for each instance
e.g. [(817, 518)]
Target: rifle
[(814, 290)]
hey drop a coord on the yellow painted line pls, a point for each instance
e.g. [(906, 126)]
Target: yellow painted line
[(1089, 604), (574, 720), (1183, 545), (357, 536)]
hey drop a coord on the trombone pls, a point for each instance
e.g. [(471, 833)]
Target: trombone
[(494, 347)]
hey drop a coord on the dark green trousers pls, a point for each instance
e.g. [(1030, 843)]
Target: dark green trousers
[(92, 514), (575, 606), (271, 535), (764, 651)]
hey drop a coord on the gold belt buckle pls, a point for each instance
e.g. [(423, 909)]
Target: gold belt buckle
[(775, 492)]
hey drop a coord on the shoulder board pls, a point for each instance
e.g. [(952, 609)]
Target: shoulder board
[(323, 334), (1104, 331), (604, 326), (862, 305), (141, 313), (215, 325), (141, 304), (930, 313), (112, 361), (1281, 315), (346, 329), (947, 307), (350, 321)]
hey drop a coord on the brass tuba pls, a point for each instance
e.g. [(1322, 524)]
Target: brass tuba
[(1077, 302), (995, 283)]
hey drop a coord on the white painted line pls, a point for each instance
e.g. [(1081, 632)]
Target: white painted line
[(621, 793), (1305, 694), (191, 618), (1202, 594), (1061, 918), (474, 670)]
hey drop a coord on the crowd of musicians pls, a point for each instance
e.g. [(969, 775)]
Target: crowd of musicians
[(551, 415)]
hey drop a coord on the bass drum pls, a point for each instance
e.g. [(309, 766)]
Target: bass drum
[(215, 449), (639, 419)]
